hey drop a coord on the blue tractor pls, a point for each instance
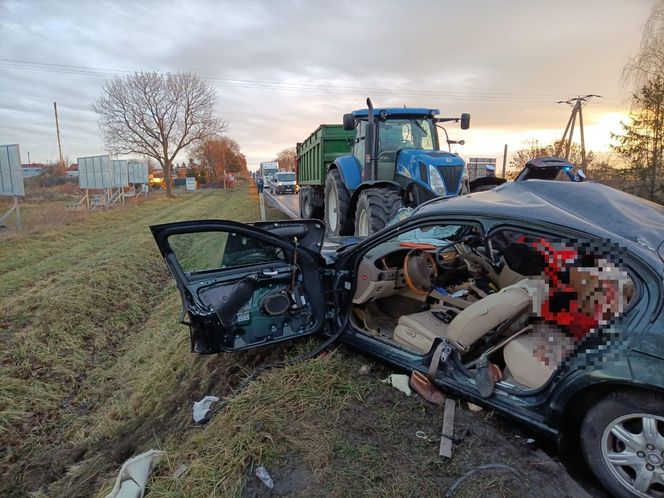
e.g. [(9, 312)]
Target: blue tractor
[(395, 161)]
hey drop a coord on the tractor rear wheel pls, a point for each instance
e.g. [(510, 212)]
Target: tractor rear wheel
[(375, 207), (337, 200)]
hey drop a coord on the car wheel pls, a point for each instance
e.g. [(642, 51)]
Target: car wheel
[(337, 200), (622, 438), (375, 207)]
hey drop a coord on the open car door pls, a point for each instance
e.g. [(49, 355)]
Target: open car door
[(245, 286)]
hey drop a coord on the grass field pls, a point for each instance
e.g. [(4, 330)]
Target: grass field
[(95, 368)]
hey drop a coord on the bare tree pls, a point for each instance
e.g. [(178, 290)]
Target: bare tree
[(287, 159), (648, 64), (157, 115)]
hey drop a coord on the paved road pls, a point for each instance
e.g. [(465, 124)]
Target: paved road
[(288, 203)]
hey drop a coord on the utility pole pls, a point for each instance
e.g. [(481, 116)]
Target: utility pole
[(504, 160), (576, 103), (29, 158), (61, 164)]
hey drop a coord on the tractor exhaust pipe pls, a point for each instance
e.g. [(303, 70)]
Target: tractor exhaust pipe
[(370, 169)]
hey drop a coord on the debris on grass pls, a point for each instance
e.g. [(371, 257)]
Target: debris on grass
[(482, 468), (134, 475), (447, 436), (180, 471), (365, 370), (202, 408), (400, 382), (474, 408), (264, 476)]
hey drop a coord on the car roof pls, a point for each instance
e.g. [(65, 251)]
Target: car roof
[(587, 206)]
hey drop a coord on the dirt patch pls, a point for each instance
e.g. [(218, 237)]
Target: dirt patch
[(387, 445), (291, 479)]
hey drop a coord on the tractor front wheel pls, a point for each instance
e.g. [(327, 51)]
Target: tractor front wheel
[(375, 207)]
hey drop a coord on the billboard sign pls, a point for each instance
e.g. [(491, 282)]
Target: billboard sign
[(11, 173), (94, 172), (119, 172), (137, 171)]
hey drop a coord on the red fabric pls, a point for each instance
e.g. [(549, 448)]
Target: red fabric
[(558, 261)]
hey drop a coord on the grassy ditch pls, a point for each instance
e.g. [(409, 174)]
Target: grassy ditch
[(71, 300), (96, 368)]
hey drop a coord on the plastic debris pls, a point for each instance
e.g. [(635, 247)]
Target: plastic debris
[(474, 408), (365, 370), (202, 407), (179, 472), (482, 468), (264, 476), (134, 475), (400, 382)]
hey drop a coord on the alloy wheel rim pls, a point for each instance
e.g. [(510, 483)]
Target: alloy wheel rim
[(633, 451)]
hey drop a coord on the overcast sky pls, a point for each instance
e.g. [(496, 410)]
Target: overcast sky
[(283, 67)]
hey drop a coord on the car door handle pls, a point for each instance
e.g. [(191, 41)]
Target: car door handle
[(270, 273)]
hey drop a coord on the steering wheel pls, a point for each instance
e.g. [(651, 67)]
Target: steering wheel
[(444, 258), (420, 271)]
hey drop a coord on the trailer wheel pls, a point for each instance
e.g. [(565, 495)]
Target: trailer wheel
[(337, 200), (306, 209), (375, 207)]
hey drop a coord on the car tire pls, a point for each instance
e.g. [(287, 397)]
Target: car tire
[(337, 201), (619, 451), (375, 207)]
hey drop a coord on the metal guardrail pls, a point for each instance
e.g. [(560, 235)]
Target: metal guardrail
[(274, 201)]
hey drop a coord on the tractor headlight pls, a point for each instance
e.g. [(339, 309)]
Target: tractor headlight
[(436, 181)]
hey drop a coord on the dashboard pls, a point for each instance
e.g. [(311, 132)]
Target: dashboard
[(380, 273)]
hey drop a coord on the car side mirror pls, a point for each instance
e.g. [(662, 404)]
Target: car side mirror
[(465, 121), (349, 122)]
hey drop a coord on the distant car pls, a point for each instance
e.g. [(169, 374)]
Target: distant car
[(283, 182), (539, 299)]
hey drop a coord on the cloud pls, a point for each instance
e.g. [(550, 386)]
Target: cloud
[(506, 63)]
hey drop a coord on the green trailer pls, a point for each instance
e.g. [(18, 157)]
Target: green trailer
[(314, 157)]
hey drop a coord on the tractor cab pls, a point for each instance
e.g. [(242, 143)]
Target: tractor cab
[(406, 150)]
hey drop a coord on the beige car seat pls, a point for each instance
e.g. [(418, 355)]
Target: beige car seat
[(532, 358), (603, 292), (419, 330)]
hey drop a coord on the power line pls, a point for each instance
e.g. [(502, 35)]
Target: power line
[(289, 86)]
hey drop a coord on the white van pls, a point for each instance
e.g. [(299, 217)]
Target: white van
[(283, 182)]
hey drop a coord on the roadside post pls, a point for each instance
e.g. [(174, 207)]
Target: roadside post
[(261, 201)]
